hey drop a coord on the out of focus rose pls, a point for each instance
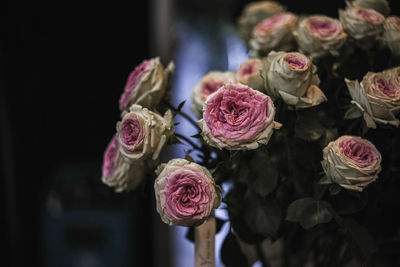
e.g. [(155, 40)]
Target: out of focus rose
[(382, 6), (292, 77), (119, 174), (210, 83), (255, 12), (143, 133), (351, 162), (146, 84), (249, 74), (274, 33), (237, 117), (393, 75), (362, 23), (186, 193), (377, 97), (317, 36), (391, 34)]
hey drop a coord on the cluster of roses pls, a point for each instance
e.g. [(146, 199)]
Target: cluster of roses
[(236, 110)]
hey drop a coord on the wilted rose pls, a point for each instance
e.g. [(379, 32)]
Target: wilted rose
[(237, 117), (377, 97), (210, 83), (249, 74), (274, 33), (119, 174), (146, 84), (143, 133), (255, 12), (319, 35), (186, 193), (292, 77), (362, 23), (352, 162), (382, 6), (391, 34)]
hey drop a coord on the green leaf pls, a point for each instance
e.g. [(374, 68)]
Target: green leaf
[(264, 175), (189, 158), (353, 113), (231, 253), (325, 180), (362, 241), (335, 189), (309, 212)]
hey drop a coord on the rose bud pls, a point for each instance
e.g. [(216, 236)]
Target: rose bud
[(274, 33), (249, 74), (318, 36), (255, 12), (377, 97), (351, 162), (146, 84), (210, 83), (391, 34), (361, 23), (119, 174), (382, 6), (186, 193), (237, 117), (292, 77), (143, 133)]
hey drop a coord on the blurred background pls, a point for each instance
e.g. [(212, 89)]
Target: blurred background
[(63, 65)]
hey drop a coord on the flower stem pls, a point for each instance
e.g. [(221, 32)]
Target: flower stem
[(183, 114), (188, 141)]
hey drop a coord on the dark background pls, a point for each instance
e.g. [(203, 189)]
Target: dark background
[(63, 65)]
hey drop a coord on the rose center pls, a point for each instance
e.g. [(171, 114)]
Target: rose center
[(296, 62), (358, 152), (188, 194), (370, 15), (323, 27), (386, 87), (232, 113), (268, 24), (131, 132)]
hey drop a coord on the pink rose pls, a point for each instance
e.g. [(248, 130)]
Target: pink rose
[(237, 117), (119, 174), (186, 193), (361, 23), (143, 133), (274, 33), (146, 84), (352, 162), (318, 36), (210, 83), (249, 74), (382, 6)]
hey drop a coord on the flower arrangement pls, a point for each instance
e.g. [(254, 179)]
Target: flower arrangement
[(312, 154)]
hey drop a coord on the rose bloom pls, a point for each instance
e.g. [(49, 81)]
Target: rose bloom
[(352, 162), (210, 83), (362, 23), (391, 34), (255, 12), (146, 84), (378, 98), (292, 77), (143, 133), (382, 6), (119, 174), (249, 74), (274, 33), (186, 193), (318, 36), (393, 75), (237, 117)]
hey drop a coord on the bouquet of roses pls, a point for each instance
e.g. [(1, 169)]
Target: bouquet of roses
[(305, 132)]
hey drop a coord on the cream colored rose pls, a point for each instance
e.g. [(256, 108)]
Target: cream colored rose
[(292, 77), (382, 6), (255, 12), (318, 36), (249, 74), (143, 133), (377, 97), (186, 193), (362, 23), (393, 75), (118, 173), (210, 83), (391, 34), (145, 85), (351, 162), (274, 33)]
